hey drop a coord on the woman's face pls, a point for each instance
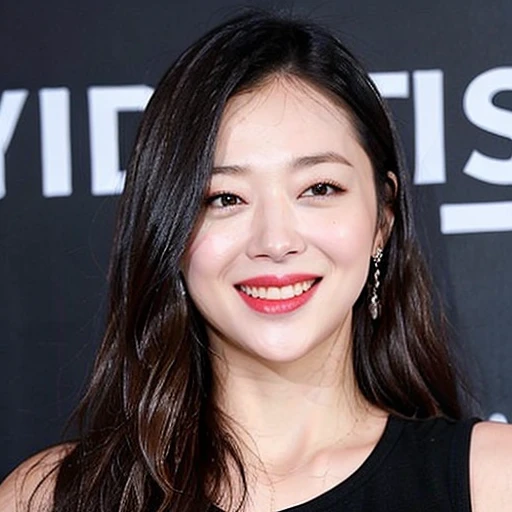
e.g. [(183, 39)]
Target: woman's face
[(283, 250)]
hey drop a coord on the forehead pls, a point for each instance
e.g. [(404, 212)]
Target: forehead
[(287, 115)]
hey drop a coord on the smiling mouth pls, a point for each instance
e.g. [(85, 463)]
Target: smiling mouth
[(278, 292), (278, 300)]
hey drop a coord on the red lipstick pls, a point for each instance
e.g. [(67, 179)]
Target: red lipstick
[(277, 306), (279, 281)]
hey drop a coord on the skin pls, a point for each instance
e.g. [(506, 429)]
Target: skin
[(37, 472), (286, 379)]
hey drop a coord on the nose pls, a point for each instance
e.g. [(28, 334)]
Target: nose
[(274, 231)]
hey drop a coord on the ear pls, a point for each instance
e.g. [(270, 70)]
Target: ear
[(387, 215)]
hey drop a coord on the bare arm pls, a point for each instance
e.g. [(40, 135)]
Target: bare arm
[(491, 467), (32, 482)]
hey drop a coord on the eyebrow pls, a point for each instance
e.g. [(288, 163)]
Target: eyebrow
[(297, 163), (320, 158)]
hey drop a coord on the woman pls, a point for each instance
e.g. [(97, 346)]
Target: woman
[(271, 341)]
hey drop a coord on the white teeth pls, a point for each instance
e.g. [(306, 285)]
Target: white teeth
[(287, 292), (275, 293)]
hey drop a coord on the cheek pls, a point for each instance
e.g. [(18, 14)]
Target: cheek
[(210, 253), (347, 236)]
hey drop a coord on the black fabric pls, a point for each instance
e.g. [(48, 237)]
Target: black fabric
[(417, 466)]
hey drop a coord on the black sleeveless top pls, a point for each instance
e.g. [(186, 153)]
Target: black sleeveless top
[(417, 466)]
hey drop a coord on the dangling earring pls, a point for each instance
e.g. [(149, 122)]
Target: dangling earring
[(374, 305)]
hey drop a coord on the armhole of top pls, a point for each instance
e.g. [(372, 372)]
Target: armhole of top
[(460, 493)]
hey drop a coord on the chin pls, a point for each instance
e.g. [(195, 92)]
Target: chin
[(280, 352)]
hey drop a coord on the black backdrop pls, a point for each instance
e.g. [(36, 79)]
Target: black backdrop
[(73, 79)]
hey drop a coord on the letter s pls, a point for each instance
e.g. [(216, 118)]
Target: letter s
[(483, 113)]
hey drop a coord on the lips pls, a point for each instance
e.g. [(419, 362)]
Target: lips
[(278, 281), (278, 294)]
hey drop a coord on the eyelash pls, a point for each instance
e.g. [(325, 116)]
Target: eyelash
[(336, 189), (219, 195)]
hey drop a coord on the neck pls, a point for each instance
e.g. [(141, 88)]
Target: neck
[(285, 413)]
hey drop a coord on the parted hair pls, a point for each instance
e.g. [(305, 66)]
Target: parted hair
[(152, 437)]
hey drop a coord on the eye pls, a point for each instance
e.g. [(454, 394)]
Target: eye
[(322, 189), (223, 200)]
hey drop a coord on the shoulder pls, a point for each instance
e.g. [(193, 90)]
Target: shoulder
[(33, 481), (491, 467)]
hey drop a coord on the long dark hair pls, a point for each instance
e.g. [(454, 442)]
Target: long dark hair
[(152, 435)]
